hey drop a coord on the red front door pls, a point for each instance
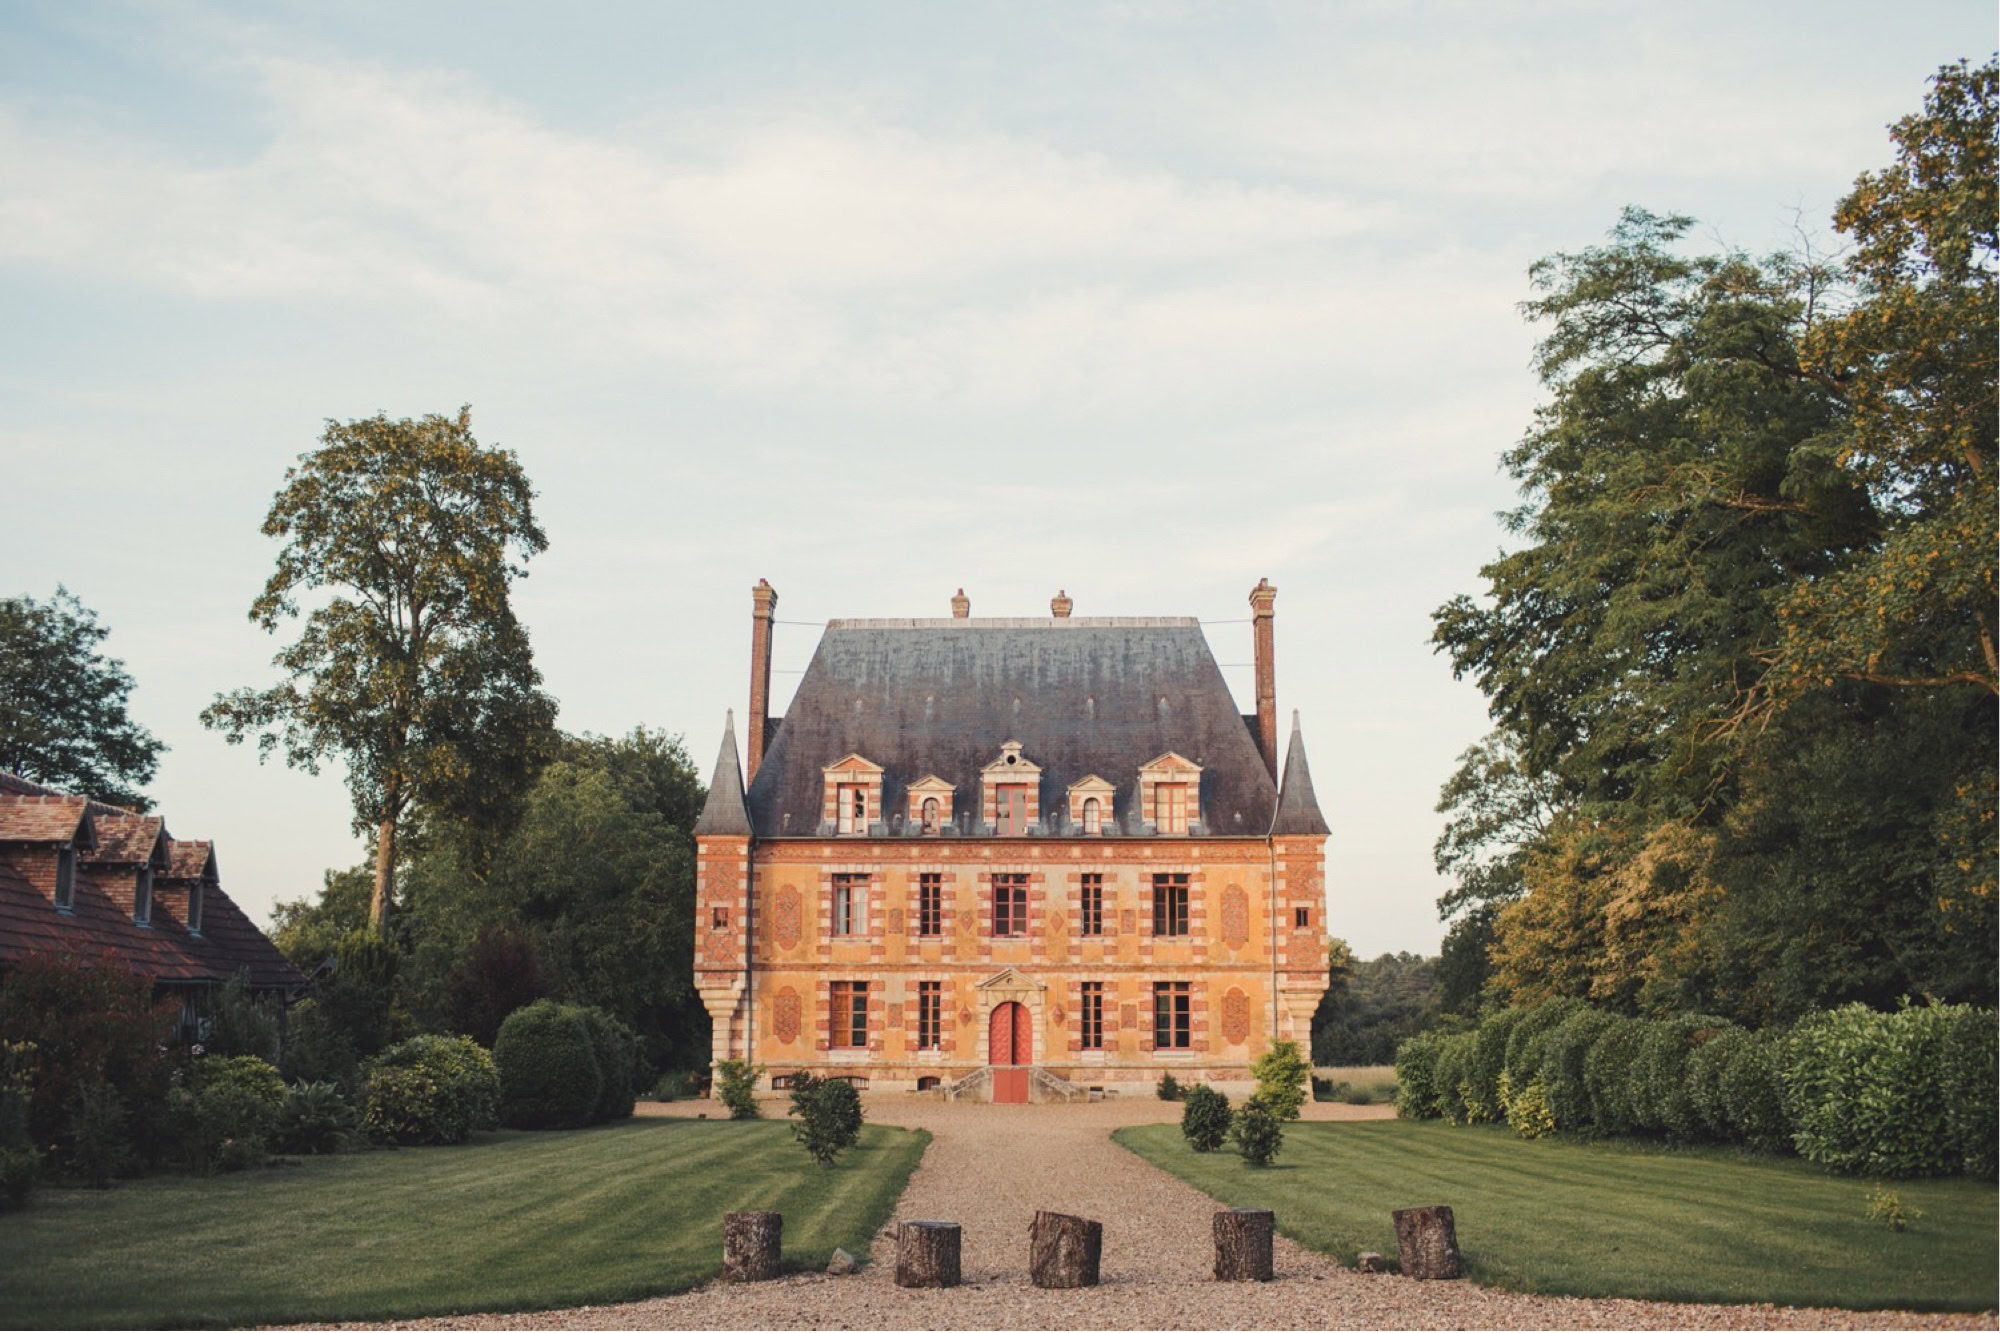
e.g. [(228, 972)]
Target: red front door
[(1010, 1045)]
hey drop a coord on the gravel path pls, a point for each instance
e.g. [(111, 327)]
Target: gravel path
[(1158, 1253)]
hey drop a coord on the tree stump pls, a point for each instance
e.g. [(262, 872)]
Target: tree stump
[(1243, 1245), (1063, 1251), (927, 1254), (752, 1246), (1427, 1239)]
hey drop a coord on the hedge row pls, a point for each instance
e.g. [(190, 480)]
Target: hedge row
[(563, 1066), (1904, 1093)]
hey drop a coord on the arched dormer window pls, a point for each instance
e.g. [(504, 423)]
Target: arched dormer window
[(1093, 815), (1090, 805), (930, 814), (930, 805)]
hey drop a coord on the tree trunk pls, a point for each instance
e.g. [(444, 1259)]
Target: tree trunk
[(1063, 1251), (752, 1246), (927, 1254), (1243, 1245), (1427, 1239), (385, 876)]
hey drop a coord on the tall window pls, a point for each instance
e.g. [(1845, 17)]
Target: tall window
[(194, 908), (1092, 1017), (847, 1015), (930, 904), (852, 806), (1093, 816), (850, 904), (930, 1014), (1010, 905), (142, 897), (1173, 1016), (66, 879), (931, 808), (1091, 910), (1010, 809), (1170, 904), (1170, 807)]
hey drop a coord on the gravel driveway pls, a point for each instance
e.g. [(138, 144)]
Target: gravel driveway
[(990, 1167)]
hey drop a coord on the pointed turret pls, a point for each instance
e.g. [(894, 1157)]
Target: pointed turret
[(723, 812), (1298, 808)]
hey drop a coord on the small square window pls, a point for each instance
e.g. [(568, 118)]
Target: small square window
[(718, 918), (1301, 917)]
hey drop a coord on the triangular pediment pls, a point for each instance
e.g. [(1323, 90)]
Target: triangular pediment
[(1011, 761), (931, 785), (853, 763), (1091, 785), (1170, 763), (1011, 978)]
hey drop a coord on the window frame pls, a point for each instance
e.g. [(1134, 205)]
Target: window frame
[(1014, 886), (1090, 903), (1090, 1016), (850, 809), (1010, 809), (1170, 807), (930, 905), (1093, 816), (66, 878), (1302, 918), (1171, 908), (1173, 1015), (849, 891), (196, 892), (930, 1015), (850, 998), (142, 897)]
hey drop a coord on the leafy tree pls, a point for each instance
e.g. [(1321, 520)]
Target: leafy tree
[(736, 1088), (414, 671), (1259, 1132), (1387, 999), (1206, 1119), (829, 1116), (1283, 1077), (62, 704)]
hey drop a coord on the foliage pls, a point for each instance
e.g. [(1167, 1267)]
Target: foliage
[(1485, 1061), (1206, 1119), (19, 1166), (1454, 1078), (238, 1022), (1607, 1076), (1418, 1091), (736, 1087), (1258, 1132), (225, 1112), (431, 1089), (1564, 1052), (98, 1135), (1168, 1089), (1282, 1073), (1968, 1066), (1659, 1094), (62, 704), (1371, 1006), (313, 1118), (829, 1115), (1528, 1112), (676, 1084), (1752, 1093), (616, 1052), (414, 672), (549, 1075), (1885, 1206), (501, 971), (1863, 1092), (19, 1161)]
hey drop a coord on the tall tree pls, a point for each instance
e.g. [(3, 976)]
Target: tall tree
[(414, 671), (63, 718)]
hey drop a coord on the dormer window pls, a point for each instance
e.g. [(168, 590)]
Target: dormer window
[(1090, 805), (1093, 815), (1011, 803), (65, 878), (1170, 804), (142, 897), (853, 802), (1170, 794), (930, 805), (930, 814), (195, 894)]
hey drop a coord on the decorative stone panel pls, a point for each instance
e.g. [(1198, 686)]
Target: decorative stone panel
[(1235, 1016), (786, 1014)]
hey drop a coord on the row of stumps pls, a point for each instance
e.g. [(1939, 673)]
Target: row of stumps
[(1064, 1251)]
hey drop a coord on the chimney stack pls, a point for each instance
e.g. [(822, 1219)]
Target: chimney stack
[(1263, 608), (1060, 604), (763, 602), (961, 606)]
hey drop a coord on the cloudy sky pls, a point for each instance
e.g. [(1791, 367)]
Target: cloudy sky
[(1144, 301)]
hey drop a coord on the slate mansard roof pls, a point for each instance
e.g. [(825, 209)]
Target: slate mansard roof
[(1084, 695)]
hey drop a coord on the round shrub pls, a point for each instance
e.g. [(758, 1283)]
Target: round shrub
[(616, 1050), (736, 1087), (1258, 1132), (1658, 1089), (1706, 1065), (829, 1112), (1563, 1052), (1528, 1107), (1862, 1091), (1607, 1071), (1454, 1075), (1968, 1071), (549, 1077), (1753, 1092), (1489, 1057), (1282, 1076), (1527, 1042), (1417, 1076), (1205, 1120), (431, 1089)]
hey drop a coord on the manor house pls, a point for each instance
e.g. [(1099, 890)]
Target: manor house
[(1011, 858)]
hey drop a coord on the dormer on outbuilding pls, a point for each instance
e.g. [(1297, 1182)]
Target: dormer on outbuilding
[(56, 831), (853, 800), (929, 805), (139, 843), (1170, 794), (1010, 801), (191, 871), (1090, 805)]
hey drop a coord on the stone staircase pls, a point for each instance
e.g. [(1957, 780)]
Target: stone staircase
[(1042, 1087)]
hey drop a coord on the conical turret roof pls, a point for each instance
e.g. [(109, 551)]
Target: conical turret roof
[(1298, 808), (724, 812)]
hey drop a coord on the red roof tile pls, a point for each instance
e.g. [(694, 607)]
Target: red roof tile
[(190, 860), (128, 840), (41, 818)]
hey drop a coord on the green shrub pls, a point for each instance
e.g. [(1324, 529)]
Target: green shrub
[(1968, 1071), (549, 1075), (1607, 1075), (100, 1145), (1885, 1206), (1528, 1107), (1205, 1120), (616, 1050), (1706, 1065), (676, 1084), (736, 1087), (1417, 1093), (455, 1091), (1564, 1050), (224, 1114), (829, 1114), (1488, 1057), (1863, 1093), (1258, 1132), (1454, 1076), (1281, 1073), (313, 1118), (1753, 1092), (318, 1049), (1167, 1089), (237, 1022), (1528, 1040), (1658, 1088), (1356, 1095), (19, 1162), (19, 1168)]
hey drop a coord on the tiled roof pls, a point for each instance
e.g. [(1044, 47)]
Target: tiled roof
[(40, 818), (190, 860), (126, 839), (1298, 807), (723, 811), (1082, 695)]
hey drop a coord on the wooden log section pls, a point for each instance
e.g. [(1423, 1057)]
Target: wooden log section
[(1427, 1239), (927, 1254), (1243, 1245), (1063, 1251), (752, 1246)]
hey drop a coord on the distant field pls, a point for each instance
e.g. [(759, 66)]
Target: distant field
[(1359, 1075), (1606, 1219), (512, 1221)]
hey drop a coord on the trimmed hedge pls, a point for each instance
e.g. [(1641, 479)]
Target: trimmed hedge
[(549, 1076), (431, 1089), (616, 1050), (1887, 1094)]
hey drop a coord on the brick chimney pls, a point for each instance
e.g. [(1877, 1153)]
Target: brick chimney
[(763, 602), (961, 606), (1263, 611), (1060, 604)]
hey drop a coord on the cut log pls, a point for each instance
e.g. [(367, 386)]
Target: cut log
[(752, 1246), (1427, 1239), (1243, 1245), (1063, 1251), (927, 1254)]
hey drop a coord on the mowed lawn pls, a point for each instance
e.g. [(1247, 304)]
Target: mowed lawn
[(1611, 1219), (509, 1221)]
